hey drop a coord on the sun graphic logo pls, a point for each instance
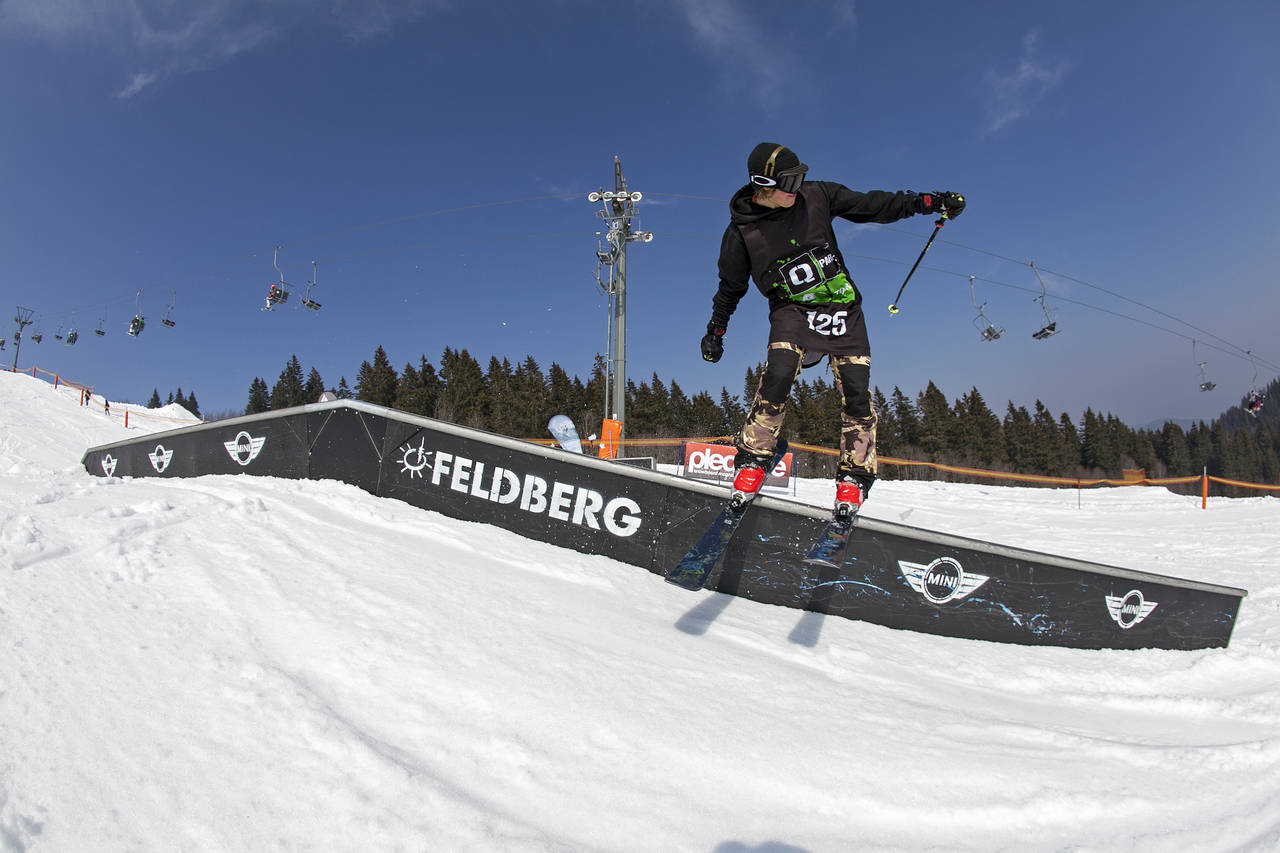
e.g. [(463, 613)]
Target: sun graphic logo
[(942, 580), (160, 458), (1129, 609), (109, 465), (415, 459)]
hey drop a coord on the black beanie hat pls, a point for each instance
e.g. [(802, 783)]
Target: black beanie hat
[(782, 158)]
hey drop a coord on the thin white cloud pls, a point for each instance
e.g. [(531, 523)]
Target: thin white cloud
[(173, 38), (1012, 95), (137, 84), (728, 30)]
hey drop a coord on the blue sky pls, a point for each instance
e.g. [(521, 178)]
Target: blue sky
[(434, 158)]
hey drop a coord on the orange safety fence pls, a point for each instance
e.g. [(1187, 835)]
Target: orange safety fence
[(1133, 477)]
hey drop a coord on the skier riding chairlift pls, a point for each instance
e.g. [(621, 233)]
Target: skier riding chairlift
[(277, 294), (137, 324)]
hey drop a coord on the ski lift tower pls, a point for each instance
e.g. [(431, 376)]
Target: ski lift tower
[(23, 320), (617, 209)]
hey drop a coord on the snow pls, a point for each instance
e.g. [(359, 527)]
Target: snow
[(245, 663)]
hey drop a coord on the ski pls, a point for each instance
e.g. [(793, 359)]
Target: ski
[(692, 571), (832, 542)]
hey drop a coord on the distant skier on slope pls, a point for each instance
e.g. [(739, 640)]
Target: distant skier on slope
[(780, 235)]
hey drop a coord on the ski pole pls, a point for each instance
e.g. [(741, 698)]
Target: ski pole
[(937, 226)]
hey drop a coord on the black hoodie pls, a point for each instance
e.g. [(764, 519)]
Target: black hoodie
[(759, 238)]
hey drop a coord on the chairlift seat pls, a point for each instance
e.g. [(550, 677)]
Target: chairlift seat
[(1208, 386), (1047, 332), (311, 303), (100, 333), (991, 333), (72, 337), (167, 322)]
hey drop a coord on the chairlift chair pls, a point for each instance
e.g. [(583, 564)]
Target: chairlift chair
[(1205, 383), (307, 301), (100, 332), (1046, 332), (1050, 327), (72, 337), (1256, 398), (988, 331), (166, 320), (138, 323), (277, 294)]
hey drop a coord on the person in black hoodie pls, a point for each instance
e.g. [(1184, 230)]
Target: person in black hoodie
[(780, 236)]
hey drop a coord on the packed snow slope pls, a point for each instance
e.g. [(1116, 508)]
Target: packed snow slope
[(241, 663)]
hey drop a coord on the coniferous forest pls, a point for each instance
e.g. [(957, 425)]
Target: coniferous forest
[(518, 400)]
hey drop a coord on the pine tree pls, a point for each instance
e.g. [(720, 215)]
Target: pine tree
[(1070, 442), (562, 395), (706, 419), (532, 398), (259, 397), (417, 389), (154, 402), (462, 397), (888, 430), (1174, 451), (909, 429), (179, 398), (732, 412), (935, 421), (192, 406), (1019, 439), (1098, 448), (343, 391), (979, 434), (504, 405), (681, 410), (314, 389), (376, 383), (287, 391), (1050, 456)]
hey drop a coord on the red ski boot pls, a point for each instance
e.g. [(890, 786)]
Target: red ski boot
[(850, 493), (746, 483)]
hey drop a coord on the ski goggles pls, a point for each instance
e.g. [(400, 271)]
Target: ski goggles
[(787, 181)]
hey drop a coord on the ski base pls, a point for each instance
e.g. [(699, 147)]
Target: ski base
[(832, 542), (691, 573)]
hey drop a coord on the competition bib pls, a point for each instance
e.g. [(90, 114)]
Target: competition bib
[(815, 276)]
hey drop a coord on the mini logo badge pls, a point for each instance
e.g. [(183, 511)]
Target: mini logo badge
[(942, 580), (160, 458), (1129, 609), (109, 465), (244, 448)]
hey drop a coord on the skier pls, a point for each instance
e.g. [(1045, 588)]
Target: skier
[(780, 235)]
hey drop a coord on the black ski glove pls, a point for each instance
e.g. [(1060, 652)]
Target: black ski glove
[(941, 202), (713, 343)]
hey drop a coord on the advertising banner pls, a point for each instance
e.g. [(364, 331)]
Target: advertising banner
[(714, 462)]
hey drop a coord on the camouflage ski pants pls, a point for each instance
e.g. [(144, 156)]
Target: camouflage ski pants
[(759, 434)]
